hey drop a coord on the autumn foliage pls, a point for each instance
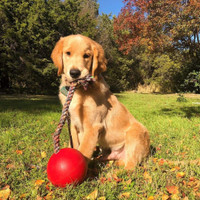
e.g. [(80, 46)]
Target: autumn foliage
[(163, 39), (160, 25)]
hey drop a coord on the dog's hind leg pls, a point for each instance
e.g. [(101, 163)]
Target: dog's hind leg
[(136, 145)]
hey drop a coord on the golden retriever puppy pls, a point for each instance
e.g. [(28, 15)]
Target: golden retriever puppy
[(97, 117)]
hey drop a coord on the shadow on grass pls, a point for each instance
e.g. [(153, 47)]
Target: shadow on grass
[(184, 111), (30, 105), (152, 150)]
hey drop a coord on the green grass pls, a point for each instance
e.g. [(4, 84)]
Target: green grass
[(27, 124)]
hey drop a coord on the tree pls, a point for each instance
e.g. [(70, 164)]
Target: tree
[(119, 74), (159, 24), (161, 28), (29, 32)]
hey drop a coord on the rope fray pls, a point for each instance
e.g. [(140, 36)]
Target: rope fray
[(84, 82)]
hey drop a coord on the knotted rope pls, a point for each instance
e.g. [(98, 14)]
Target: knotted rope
[(65, 111)]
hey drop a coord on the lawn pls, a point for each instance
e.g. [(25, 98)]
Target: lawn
[(172, 171)]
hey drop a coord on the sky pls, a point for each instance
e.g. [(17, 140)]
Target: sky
[(110, 6)]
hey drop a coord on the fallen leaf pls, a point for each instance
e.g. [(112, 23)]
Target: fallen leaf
[(180, 174), (43, 154), (49, 196), (10, 166), (155, 160), (115, 177), (102, 198), (39, 182), (161, 162), (165, 197), (194, 183), (158, 148), (92, 195), (47, 186), (184, 183), (198, 194), (103, 180), (173, 169), (124, 195), (129, 182), (176, 168), (175, 197), (192, 179), (147, 177), (19, 152), (151, 198), (38, 198), (172, 189), (23, 195), (5, 192), (109, 179)]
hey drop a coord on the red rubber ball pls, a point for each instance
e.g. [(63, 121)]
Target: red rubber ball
[(68, 166)]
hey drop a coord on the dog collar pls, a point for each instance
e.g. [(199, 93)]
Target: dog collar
[(64, 90)]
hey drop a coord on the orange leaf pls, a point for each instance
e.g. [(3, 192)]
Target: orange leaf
[(175, 168), (192, 179), (23, 195), (150, 198), (198, 194), (115, 177), (10, 166), (155, 160), (47, 186), (129, 181), (172, 189), (5, 192), (49, 196), (124, 195), (161, 162), (147, 177), (38, 198), (39, 182), (175, 197), (103, 180), (180, 174), (165, 197), (184, 182), (19, 152)]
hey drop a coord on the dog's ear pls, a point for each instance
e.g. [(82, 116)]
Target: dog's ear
[(99, 60), (57, 55)]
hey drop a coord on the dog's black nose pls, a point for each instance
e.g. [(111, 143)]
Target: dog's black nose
[(75, 73)]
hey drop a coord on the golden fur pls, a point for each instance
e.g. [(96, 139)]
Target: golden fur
[(97, 116)]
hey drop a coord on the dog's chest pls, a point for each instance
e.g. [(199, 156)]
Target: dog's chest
[(86, 110)]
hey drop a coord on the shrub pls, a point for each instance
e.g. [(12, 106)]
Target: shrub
[(192, 82)]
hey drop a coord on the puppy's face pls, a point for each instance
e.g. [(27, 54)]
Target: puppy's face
[(77, 56)]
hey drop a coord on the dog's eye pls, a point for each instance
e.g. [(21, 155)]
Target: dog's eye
[(68, 53), (86, 55)]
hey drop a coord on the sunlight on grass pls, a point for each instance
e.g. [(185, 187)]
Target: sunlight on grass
[(26, 144)]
